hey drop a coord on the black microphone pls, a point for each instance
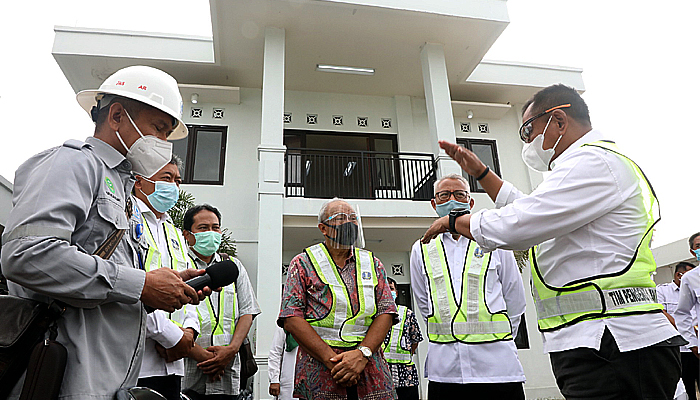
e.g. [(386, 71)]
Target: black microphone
[(218, 275)]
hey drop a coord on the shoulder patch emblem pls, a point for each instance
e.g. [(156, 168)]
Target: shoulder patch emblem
[(109, 184), (176, 245), (366, 276), (478, 253)]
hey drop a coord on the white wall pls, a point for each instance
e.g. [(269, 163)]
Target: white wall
[(238, 202), (5, 199), (237, 198)]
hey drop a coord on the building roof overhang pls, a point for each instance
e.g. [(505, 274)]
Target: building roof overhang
[(386, 35)]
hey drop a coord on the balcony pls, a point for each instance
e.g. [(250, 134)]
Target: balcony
[(316, 173)]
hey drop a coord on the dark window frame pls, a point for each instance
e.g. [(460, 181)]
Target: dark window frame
[(370, 136), (190, 159), (468, 142)]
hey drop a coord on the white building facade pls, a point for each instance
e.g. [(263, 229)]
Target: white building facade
[(273, 135)]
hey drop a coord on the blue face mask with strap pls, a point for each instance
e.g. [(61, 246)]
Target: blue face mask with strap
[(697, 254), (445, 208), (164, 196)]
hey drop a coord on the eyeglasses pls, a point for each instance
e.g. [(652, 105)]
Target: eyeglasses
[(341, 218), (460, 195), (526, 127)]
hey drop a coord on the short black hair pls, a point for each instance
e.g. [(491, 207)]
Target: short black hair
[(683, 266), (391, 280), (692, 239), (100, 112), (188, 219), (557, 95)]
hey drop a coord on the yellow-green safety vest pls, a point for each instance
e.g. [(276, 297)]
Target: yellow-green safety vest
[(177, 249), (393, 352), (217, 324), (340, 328), (627, 292), (470, 320)]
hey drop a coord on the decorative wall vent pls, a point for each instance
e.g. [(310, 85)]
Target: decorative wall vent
[(287, 118), (312, 119), (337, 120), (484, 128), (465, 127), (196, 112), (218, 113), (397, 269), (362, 121), (386, 123), (285, 269)]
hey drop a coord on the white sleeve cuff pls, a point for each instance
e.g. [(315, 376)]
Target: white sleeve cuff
[(170, 336), (475, 230), (503, 194)]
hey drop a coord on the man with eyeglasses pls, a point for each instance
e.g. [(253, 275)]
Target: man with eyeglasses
[(588, 226), (337, 305), (472, 302), (668, 294)]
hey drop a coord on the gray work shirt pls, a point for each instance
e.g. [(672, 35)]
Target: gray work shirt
[(67, 201)]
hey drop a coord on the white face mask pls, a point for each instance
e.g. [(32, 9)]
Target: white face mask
[(535, 156), (148, 154)]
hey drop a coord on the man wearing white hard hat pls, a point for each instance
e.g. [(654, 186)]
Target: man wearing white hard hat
[(72, 206)]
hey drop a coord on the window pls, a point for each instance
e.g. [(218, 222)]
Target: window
[(359, 163), (203, 153), (486, 151)]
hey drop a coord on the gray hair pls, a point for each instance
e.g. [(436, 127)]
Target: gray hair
[(323, 212), (451, 176), (176, 161)]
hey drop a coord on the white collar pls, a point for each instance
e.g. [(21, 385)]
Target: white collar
[(590, 136), (143, 207)]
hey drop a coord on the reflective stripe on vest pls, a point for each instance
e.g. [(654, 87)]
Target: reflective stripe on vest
[(178, 257), (393, 352), (340, 328), (628, 292), (471, 321), (211, 332)]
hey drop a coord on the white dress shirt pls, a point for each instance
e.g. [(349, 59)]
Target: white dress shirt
[(473, 363), (159, 328), (588, 217), (668, 295), (281, 365), (688, 306)]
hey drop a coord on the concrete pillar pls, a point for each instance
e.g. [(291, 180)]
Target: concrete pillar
[(438, 104), (270, 202)]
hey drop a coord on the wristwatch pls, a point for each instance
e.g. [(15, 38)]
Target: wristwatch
[(366, 351), (454, 214)]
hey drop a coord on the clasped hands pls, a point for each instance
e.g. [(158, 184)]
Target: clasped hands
[(347, 366), (212, 361)]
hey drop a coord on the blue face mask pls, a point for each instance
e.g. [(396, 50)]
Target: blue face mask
[(697, 254), (445, 208), (164, 197), (393, 294), (207, 243)]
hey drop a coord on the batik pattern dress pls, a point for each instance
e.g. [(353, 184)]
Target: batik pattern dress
[(306, 296)]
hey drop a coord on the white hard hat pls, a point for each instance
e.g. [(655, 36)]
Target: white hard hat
[(145, 84)]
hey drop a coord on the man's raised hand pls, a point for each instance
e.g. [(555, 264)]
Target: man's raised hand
[(466, 159)]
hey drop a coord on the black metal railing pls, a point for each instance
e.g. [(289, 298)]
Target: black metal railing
[(316, 173)]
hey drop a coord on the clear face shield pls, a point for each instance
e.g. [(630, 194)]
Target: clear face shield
[(344, 226)]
